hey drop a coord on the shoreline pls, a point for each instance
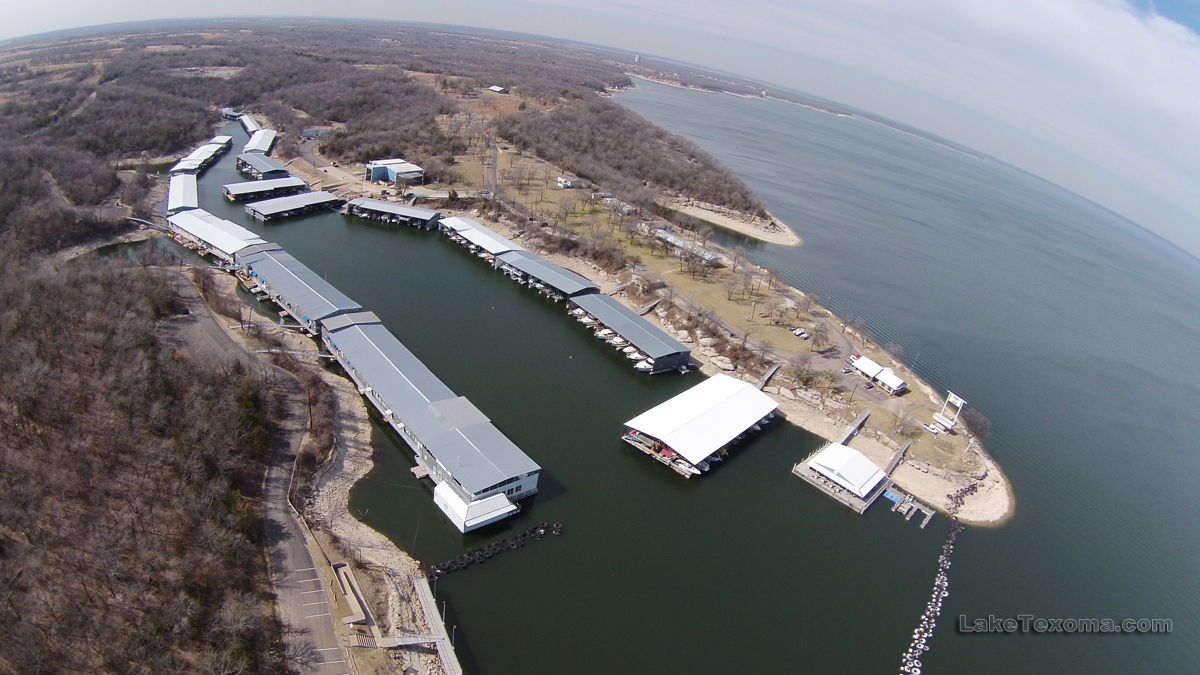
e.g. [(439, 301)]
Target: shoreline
[(774, 231)]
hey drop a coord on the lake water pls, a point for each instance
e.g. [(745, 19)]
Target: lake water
[(1071, 329)]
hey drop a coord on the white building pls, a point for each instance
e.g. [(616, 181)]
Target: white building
[(873, 372), (848, 468)]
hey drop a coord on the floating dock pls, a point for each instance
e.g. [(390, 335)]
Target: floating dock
[(634, 335), (258, 166)]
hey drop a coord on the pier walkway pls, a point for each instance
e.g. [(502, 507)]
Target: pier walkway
[(441, 640)]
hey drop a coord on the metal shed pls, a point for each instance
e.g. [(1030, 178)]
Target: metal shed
[(223, 238), (376, 209), (263, 189)]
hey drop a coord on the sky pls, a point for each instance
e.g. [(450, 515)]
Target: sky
[(1098, 96)]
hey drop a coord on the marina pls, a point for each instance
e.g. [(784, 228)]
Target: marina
[(260, 141), (694, 430), (269, 270), (293, 205)]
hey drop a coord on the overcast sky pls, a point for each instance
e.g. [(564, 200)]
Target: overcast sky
[(1100, 96)]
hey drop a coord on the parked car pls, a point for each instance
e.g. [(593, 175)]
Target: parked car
[(868, 386), (932, 429), (845, 370)]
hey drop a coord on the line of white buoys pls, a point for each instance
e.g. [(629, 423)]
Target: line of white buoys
[(910, 661)]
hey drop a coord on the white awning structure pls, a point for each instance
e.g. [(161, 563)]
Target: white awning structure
[(222, 236), (847, 467), (887, 377), (260, 141), (181, 193), (469, 516), (867, 367), (701, 420), (481, 236)]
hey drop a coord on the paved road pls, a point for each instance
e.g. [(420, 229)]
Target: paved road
[(304, 603)]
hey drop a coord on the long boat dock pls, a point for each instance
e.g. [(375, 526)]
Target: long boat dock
[(445, 648), (850, 431)]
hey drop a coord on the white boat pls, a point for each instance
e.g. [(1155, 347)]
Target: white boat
[(702, 465), (618, 341), (644, 366), (578, 311), (715, 457), (756, 428), (686, 467), (630, 349), (637, 356), (605, 333), (586, 320)]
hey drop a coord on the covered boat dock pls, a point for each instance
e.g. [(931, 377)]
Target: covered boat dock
[(656, 348), (263, 189), (294, 205), (260, 141), (301, 292), (528, 267), (211, 234), (181, 193), (479, 473), (259, 166), (376, 209), (696, 428)]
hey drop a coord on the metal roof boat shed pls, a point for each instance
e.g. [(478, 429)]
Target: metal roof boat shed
[(260, 141), (249, 124), (223, 238), (479, 472), (562, 280), (263, 189), (376, 209), (259, 166), (848, 468), (704, 419), (300, 291), (481, 236), (181, 193), (199, 159), (667, 352), (226, 142), (295, 205)]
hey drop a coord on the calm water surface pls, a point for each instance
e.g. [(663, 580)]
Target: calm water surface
[(1071, 329)]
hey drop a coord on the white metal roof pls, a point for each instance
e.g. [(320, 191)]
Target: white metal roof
[(888, 377), (221, 140), (260, 141), (867, 367), (702, 419), (222, 235), (482, 236), (847, 467), (255, 186), (181, 193), (249, 124), (271, 207)]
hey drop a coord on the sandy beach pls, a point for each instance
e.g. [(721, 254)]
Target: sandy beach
[(768, 230)]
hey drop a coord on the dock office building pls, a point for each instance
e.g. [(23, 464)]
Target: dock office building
[(298, 290), (260, 167), (479, 473), (665, 352), (377, 209)]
